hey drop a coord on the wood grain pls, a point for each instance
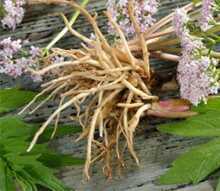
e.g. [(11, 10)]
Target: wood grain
[(156, 151)]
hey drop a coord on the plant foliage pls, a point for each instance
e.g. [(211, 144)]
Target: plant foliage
[(28, 170), (198, 163), (13, 98), (206, 124)]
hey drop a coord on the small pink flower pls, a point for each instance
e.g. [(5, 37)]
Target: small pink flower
[(144, 11), (180, 19), (14, 13), (206, 14), (196, 74), (35, 51), (9, 47), (11, 61), (197, 78)]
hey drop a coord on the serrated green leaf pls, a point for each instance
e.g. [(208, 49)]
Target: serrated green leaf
[(30, 169), (45, 177), (205, 124), (26, 181), (195, 165), (212, 105), (6, 181), (10, 181), (3, 184), (14, 145), (13, 98), (24, 184), (19, 162), (12, 126), (54, 160)]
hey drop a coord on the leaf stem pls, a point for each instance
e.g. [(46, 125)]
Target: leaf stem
[(65, 29)]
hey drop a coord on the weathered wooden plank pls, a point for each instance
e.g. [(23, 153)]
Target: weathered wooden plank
[(156, 151), (205, 186), (40, 24)]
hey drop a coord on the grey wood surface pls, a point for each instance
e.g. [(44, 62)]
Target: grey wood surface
[(155, 150)]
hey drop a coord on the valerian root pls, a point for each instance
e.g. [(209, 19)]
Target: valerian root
[(111, 80)]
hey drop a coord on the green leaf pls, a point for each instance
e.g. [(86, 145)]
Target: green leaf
[(36, 170), (19, 162), (212, 105), (54, 160), (45, 177), (195, 165), (30, 169), (12, 126), (11, 99), (24, 184), (10, 181), (14, 145), (6, 181), (205, 124), (3, 176), (25, 181)]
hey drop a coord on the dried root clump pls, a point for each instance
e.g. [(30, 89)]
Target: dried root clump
[(113, 84)]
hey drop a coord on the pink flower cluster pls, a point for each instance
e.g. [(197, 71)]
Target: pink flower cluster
[(144, 11), (196, 73), (14, 13), (15, 60), (197, 78), (206, 14), (189, 43)]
